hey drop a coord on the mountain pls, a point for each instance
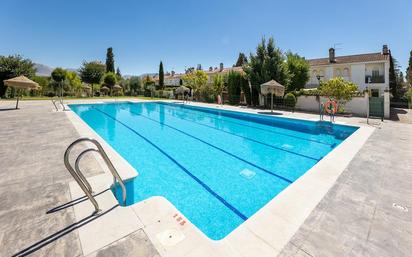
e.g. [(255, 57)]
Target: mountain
[(43, 70)]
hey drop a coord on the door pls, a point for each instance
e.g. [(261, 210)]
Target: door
[(376, 107)]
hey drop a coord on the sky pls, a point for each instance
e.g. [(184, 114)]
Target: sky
[(64, 33)]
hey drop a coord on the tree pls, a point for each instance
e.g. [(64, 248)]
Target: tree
[(43, 83), (233, 87), (59, 75), (393, 77), (118, 74), (92, 73), (266, 64), (241, 60), (338, 89), (409, 69), (12, 66), (135, 84), (218, 85), (195, 80), (161, 76), (74, 81), (109, 60), (110, 80), (298, 69)]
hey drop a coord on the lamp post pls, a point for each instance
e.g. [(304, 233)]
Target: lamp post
[(320, 105)]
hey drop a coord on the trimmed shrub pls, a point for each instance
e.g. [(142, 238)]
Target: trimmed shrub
[(290, 100)]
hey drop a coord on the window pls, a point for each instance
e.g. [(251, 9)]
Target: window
[(375, 73), (375, 92), (346, 72)]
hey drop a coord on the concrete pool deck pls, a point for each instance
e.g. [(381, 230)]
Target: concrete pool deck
[(142, 237)]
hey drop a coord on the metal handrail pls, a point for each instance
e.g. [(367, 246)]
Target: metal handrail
[(78, 175), (54, 103), (60, 100)]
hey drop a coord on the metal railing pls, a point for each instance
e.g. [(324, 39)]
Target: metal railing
[(60, 100), (81, 179)]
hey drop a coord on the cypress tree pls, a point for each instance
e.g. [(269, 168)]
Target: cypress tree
[(109, 60), (161, 76), (409, 69), (241, 60)]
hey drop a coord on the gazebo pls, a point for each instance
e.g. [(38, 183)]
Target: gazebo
[(21, 83), (274, 88)]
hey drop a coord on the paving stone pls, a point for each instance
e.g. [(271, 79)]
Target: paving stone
[(356, 217), (136, 245)]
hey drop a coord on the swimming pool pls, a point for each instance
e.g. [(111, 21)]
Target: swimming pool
[(217, 167)]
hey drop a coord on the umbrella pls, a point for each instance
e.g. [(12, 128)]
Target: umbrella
[(181, 90), (117, 87), (21, 82), (104, 88), (274, 88), (87, 87)]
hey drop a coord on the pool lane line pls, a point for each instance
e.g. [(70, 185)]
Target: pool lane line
[(200, 182), (240, 124), (243, 137), (220, 149), (187, 134)]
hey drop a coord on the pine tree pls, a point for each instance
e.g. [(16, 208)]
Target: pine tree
[(118, 73), (409, 70), (161, 76), (392, 77), (267, 63), (109, 60), (241, 60)]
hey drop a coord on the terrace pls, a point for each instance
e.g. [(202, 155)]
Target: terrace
[(361, 211)]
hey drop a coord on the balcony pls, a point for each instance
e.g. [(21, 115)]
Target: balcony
[(374, 79)]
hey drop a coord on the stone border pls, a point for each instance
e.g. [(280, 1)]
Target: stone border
[(264, 234)]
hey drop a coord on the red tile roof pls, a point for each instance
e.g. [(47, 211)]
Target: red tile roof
[(350, 59)]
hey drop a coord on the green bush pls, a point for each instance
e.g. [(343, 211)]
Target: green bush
[(290, 100)]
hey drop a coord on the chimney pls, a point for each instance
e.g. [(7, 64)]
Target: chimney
[(385, 50), (331, 55), (221, 66)]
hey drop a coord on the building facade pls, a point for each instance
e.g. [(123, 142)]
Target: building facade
[(369, 70)]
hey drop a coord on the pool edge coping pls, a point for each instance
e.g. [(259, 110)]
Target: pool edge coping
[(277, 214)]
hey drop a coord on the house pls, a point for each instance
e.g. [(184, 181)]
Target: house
[(213, 72), (173, 79), (370, 70)]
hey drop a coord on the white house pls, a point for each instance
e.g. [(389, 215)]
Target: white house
[(365, 70)]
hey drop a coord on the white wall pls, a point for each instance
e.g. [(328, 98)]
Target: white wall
[(357, 106), (358, 75)]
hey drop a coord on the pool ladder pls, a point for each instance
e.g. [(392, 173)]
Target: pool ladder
[(81, 179), (56, 100)]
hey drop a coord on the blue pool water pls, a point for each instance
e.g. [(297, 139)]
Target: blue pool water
[(217, 167)]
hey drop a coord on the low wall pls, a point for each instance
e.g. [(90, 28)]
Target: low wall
[(357, 106)]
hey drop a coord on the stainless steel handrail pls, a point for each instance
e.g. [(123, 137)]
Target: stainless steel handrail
[(54, 103), (60, 100), (78, 175)]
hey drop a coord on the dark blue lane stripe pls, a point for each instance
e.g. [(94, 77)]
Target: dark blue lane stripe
[(218, 148), (246, 138), (187, 110), (221, 199)]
